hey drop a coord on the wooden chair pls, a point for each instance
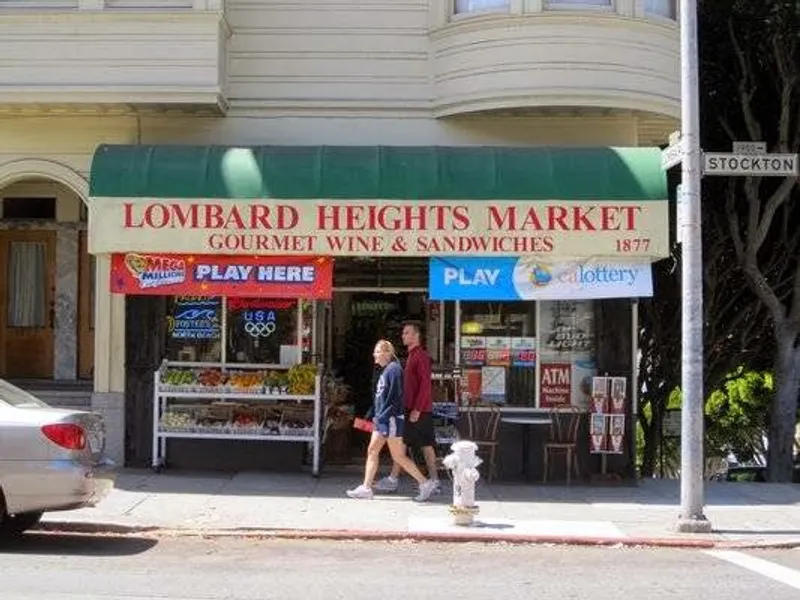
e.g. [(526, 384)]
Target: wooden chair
[(445, 414), (483, 426), (563, 438)]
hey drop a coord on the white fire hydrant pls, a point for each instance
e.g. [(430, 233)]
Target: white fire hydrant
[(463, 463)]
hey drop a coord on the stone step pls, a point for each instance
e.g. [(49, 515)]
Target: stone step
[(61, 398)]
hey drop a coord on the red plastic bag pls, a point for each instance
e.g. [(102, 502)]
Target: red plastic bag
[(363, 425)]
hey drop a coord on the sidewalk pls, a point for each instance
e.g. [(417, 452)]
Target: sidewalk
[(298, 505)]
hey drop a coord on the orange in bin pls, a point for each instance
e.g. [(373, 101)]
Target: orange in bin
[(363, 425)]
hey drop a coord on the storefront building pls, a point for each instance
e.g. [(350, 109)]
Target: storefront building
[(203, 221), (194, 78)]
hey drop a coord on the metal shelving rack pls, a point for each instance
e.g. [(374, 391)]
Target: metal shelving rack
[(164, 395)]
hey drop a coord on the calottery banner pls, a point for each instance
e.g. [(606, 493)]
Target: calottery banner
[(556, 229), (153, 273), (526, 278)]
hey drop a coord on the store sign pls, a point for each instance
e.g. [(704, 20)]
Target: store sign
[(527, 278), (556, 385), (195, 318), (523, 351), (198, 275), (548, 228)]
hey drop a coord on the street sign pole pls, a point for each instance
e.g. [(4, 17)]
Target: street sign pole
[(691, 518)]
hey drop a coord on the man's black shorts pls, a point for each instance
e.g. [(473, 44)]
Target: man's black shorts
[(419, 434)]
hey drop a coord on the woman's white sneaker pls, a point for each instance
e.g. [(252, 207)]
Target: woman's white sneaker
[(426, 489), (387, 484), (362, 492)]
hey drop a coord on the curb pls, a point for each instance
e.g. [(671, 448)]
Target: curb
[(699, 543)]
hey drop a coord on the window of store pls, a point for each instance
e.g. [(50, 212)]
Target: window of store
[(528, 354), (194, 329), (579, 4), (257, 331), (262, 331), (462, 7), (497, 352), (661, 8), (567, 353)]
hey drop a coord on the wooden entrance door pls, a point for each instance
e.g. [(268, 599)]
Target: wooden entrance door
[(27, 309), (86, 300)]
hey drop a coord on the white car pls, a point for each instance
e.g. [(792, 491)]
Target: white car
[(50, 459)]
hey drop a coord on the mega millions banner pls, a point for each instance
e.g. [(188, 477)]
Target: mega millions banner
[(524, 278), (143, 273)]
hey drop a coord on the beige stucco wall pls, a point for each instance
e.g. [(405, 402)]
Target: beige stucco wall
[(88, 53)]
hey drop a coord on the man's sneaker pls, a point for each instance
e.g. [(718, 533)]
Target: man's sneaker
[(362, 492), (426, 488), (438, 489), (387, 484)]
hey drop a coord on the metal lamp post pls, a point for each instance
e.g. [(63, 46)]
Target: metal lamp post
[(691, 517)]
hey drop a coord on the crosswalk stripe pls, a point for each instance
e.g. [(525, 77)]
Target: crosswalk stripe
[(763, 567)]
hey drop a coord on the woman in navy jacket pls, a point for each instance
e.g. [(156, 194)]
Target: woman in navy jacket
[(389, 419)]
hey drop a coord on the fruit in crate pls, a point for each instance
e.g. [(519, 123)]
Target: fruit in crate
[(246, 380), (272, 380), (245, 420), (295, 424), (210, 377), (302, 379), (176, 420), (176, 377)]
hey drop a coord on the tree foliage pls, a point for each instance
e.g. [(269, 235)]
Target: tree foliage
[(737, 415), (749, 84), (738, 324)]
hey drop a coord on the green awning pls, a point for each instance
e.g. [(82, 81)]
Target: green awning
[(378, 172)]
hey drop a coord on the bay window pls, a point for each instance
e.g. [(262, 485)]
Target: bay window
[(577, 4), (480, 6), (661, 8)]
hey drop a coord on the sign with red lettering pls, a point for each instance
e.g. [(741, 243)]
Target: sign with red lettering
[(473, 350), (498, 351), (558, 229), (152, 273), (556, 385), (523, 351)]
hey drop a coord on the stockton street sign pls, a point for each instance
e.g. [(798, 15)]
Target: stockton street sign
[(753, 165)]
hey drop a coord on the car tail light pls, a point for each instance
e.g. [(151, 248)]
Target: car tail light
[(66, 435)]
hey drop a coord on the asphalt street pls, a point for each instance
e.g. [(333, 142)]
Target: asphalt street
[(45, 566)]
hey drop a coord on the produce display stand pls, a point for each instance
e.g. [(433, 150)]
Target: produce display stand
[(196, 400)]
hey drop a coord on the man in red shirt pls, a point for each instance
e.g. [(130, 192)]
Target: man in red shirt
[(418, 397)]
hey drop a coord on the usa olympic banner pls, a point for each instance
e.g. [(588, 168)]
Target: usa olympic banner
[(526, 278), (299, 277)]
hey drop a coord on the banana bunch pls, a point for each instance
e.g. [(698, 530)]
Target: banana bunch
[(302, 379)]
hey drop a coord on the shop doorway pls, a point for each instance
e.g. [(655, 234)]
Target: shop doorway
[(27, 309), (364, 317)]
